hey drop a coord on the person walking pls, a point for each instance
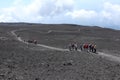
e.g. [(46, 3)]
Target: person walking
[(70, 46), (90, 47), (75, 46), (81, 47), (94, 47)]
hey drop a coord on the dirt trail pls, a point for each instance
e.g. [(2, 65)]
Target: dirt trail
[(110, 57), (107, 56), (41, 45)]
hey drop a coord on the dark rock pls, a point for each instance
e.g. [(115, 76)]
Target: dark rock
[(37, 78), (67, 64)]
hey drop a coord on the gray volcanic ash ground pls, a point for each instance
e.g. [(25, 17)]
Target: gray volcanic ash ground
[(20, 61)]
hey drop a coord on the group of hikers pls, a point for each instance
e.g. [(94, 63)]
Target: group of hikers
[(29, 41), (88, 47), (72, 46), (32, 41)]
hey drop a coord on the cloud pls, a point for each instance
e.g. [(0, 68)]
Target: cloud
[(55, 7), (82, 14), (111, 13), (37, 10), (108, 16)]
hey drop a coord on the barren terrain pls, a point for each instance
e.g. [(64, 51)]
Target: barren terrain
[(50, 58)]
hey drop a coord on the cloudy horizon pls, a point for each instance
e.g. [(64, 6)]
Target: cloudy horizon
[(103, 13)]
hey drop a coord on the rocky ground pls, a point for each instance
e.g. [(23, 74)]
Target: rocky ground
[(19, 61)]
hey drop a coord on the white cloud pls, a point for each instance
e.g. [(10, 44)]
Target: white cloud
[(37, 10), (107, 16), (111, 7), (82, 14), (111, 13), (56, 7)]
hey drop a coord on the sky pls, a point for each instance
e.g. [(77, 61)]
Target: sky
[(104, 13)]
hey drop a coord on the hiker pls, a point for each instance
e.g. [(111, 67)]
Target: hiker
[(35, 41), (75, 46), (90, 47), (81, 47), (94, 48), (85, 46), (70, 46)]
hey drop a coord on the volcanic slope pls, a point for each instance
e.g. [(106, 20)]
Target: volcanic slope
[(20, 61)]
